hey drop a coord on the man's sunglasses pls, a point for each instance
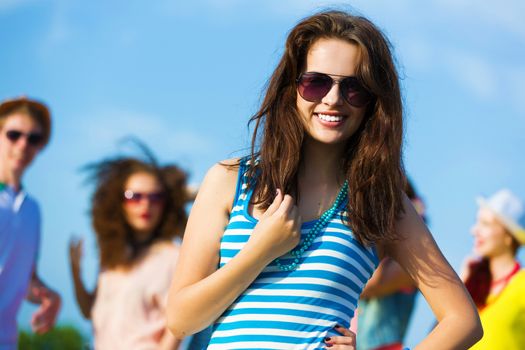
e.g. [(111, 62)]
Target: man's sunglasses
[(136, 197), (33, 138), (313, 86)]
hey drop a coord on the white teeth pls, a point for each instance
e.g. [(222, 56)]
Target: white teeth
[(330, 118)]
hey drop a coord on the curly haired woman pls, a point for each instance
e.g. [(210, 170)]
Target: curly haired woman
[(137, 209)]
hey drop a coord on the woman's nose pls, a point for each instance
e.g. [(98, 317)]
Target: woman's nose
[(334, 96)]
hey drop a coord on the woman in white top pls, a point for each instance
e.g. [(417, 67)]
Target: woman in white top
[(137, 209)]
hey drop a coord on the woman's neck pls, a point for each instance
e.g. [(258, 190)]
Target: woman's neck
[(321, 163), (501, 266)]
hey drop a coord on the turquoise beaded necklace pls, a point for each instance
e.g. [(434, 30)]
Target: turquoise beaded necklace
[(298, 251)]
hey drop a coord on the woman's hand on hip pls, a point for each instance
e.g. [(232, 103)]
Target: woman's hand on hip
[(346, 341)]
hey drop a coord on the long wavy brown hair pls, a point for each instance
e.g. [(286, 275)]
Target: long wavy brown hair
[(372, 163), (114, 235)]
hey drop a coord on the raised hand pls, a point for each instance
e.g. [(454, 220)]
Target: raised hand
[(279, 229), (75, 253), (85, 298)]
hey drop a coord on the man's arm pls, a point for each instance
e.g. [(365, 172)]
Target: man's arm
[(45, 316)]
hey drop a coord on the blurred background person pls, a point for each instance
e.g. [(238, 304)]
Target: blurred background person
[(137, 210), (25, 128), (387, 300), (495, 278)]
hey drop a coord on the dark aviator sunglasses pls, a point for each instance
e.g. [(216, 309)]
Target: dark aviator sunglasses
[(136, 197), (33, 138), (313, 86)]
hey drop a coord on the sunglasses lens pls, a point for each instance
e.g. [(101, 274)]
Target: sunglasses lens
[(13, 135), (35, 139), (156, 197), (136, 197), (130, 196), (354, 93), (314, 86)]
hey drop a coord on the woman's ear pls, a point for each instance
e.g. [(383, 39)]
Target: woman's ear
[(508, 240)]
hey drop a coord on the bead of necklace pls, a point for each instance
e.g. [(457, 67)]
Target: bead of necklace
[(323, 221)]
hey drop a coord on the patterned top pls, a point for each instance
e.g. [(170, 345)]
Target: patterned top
[(293, 309)]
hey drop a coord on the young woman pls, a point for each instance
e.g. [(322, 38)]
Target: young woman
[(280, 244), (137, 209), (495, 280)]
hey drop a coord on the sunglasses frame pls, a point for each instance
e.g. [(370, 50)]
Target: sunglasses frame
[(136, 197), (347, 88), (33, 138)]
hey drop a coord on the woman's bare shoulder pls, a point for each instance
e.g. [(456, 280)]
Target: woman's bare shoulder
[(224, 174), (224, 169), (220, 183)]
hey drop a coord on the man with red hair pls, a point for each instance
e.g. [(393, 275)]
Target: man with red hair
[(25, 128)]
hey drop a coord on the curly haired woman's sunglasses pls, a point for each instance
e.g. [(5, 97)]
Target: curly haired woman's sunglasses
[(33, 138), (136, 197), (313, 86)]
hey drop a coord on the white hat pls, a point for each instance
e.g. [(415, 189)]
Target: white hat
[(509, 209)]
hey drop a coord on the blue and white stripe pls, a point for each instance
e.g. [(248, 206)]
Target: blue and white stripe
[(293, 309)]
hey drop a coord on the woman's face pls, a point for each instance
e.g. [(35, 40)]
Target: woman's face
[(331, 120), (490, 236), (143, 204)]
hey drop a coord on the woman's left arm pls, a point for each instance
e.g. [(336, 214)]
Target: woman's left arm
[(416, 251)]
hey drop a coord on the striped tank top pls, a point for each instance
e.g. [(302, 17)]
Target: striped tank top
[(292, 309)]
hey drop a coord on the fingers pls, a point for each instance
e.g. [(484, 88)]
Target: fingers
[(275, 204), (75, 249), (76, 243), (42, 324), (44, 319), (346, 341), (345, 331), (287, 206), (283, 205), (339, 343)]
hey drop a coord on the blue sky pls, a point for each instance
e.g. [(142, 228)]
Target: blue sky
[(186, 76)]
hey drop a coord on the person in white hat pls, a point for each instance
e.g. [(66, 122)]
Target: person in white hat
[(25, 127), (496, 280)]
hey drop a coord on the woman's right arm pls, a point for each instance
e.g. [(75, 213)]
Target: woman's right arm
[(84, 298), (200, 293)]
